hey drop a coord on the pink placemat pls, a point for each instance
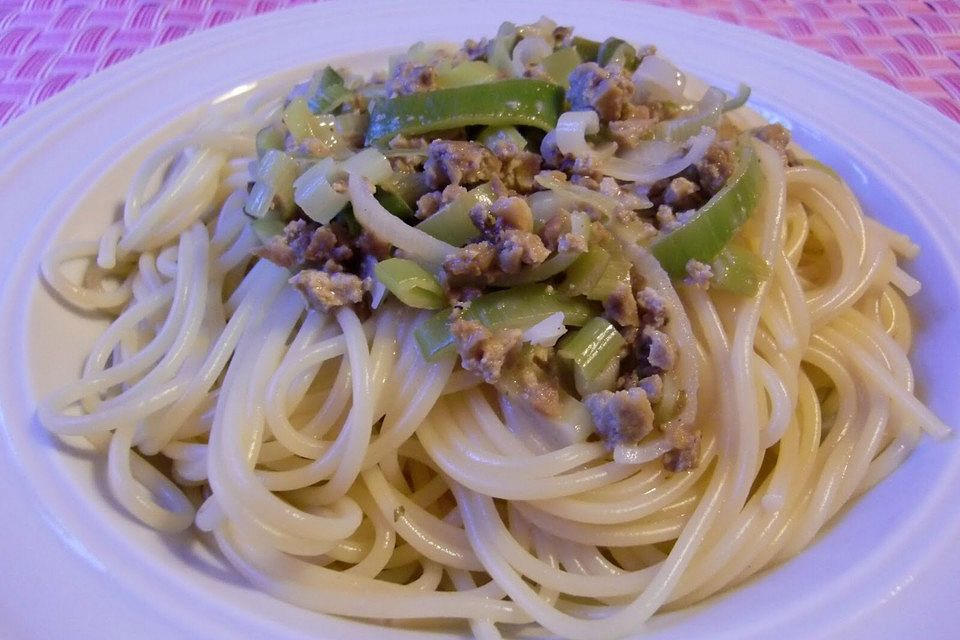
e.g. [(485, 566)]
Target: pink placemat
[(47, 45)]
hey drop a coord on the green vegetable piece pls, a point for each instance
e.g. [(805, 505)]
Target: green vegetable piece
[(588, 49), (271, 137), (466, 74), (268, 226), (738, 270), (590, 350), (330, 92), (559, 64), (452, 223), (303, 123), (408, 185), (348, 220), (554, 265), (527, 102), (617, 272), (617, 51), (516, 308), (737, 101), (500, 48), (706, 114), (586, 271), (490, 136), (392, 202), (413, 285), (273, 188), (715, 224)]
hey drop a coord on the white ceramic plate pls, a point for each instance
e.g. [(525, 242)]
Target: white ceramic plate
[(73, 565)]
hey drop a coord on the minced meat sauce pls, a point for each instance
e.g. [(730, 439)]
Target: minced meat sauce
[(332, 264)]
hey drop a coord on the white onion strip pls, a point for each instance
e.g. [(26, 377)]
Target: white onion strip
[(418, 245), (547, 331), (572, 130), (530, 50), (645, 173), (657, 79)]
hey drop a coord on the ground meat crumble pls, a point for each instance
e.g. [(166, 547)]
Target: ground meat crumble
[(331, 264), (621, 417), (459, 162), (328, 261), (481, 350)]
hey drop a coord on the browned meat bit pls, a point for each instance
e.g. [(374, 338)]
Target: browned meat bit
[(571, 242), (620, 417), (599, 233), (506, 212), (450, 193), (518, 248), (403, 142), (373, 245), (328, 242), (430, 203), (278, 251), (356, 102), (716, 167), (469, 264), (562, 36), (660, 350), (698, 274), (628, 134), (325, 291), (652, 308), (681, 193), (427, 205), (458, 162), (775, 135), (407, 78), (666, 220), (683, 458), (519, 170), (727, 130), (588, 167), (507, 224), (483, 351), (475, 50), (533, 377), (605, 90), (503, 147), (554, 229), (652, 385), (778, 137), (302, 242), (621, 307)]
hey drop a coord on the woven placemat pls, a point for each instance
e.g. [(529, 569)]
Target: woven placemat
[(47, 45)]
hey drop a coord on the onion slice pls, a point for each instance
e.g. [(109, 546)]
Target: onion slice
[(572, 130), (645, 172), (530, 50), (547, 331), (419, 246), (658, 79)]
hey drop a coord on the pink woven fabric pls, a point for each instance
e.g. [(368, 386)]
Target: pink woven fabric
[(47, 45)]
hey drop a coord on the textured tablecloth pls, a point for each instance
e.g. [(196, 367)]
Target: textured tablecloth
[(47, 45)]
